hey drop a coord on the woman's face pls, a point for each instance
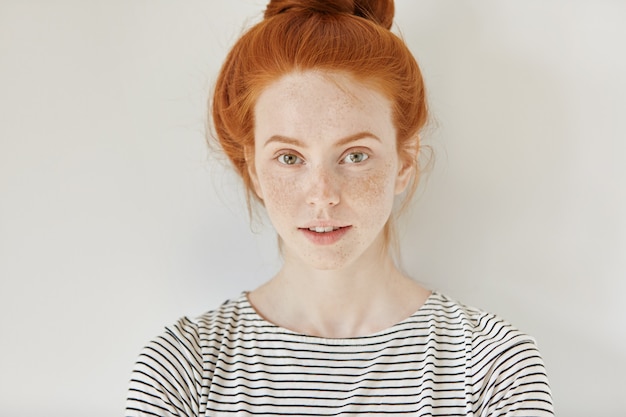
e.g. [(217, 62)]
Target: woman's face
[(326, 167)]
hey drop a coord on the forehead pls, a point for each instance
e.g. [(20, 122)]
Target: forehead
[(320, 104)]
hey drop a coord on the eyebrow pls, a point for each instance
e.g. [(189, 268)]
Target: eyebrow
[(340, 142)]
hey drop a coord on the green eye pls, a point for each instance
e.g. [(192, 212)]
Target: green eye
[(355, 157), (289, 159)]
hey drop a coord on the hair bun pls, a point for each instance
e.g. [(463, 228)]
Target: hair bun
[(379, 11)]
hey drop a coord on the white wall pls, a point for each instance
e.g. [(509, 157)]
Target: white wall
[(114, 221)]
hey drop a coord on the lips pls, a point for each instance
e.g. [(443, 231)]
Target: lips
[(323, 229), (325, 235)]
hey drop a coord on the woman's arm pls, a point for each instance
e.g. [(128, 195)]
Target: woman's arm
[(166, 379), (513, 382)]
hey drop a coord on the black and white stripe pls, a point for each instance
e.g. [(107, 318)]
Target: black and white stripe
[(445, 360)]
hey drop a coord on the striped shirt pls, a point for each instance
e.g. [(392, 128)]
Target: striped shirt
[(445, 360)]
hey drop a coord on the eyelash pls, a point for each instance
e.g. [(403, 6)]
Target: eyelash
[(365, 157), (280, 158), (299, 160)]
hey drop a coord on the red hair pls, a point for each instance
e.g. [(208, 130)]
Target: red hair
[(347, 36)]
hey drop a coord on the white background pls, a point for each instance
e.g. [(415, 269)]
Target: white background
[(115, 220)]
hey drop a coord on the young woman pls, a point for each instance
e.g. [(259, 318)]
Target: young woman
[(319, 108)]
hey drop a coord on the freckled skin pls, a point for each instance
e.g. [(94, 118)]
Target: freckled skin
[(318, 110)]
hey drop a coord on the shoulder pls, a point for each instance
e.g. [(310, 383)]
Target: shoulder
[(194, 338), (480, 329), (171, 370), (505, 373), (192, 334)]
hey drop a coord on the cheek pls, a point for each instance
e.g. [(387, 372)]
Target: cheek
[(279, 193), (374, 191)]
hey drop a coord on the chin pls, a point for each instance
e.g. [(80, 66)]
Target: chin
[(333, 259), (324, 260)]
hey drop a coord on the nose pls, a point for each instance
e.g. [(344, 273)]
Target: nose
[(323, 188)]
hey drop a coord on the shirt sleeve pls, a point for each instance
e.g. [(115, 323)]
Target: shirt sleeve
[(509, 376), (166, 378)]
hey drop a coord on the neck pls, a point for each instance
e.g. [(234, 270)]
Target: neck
[(362, 298)]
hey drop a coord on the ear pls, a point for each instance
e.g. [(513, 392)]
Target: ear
[(407, 168), (254, 179)]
